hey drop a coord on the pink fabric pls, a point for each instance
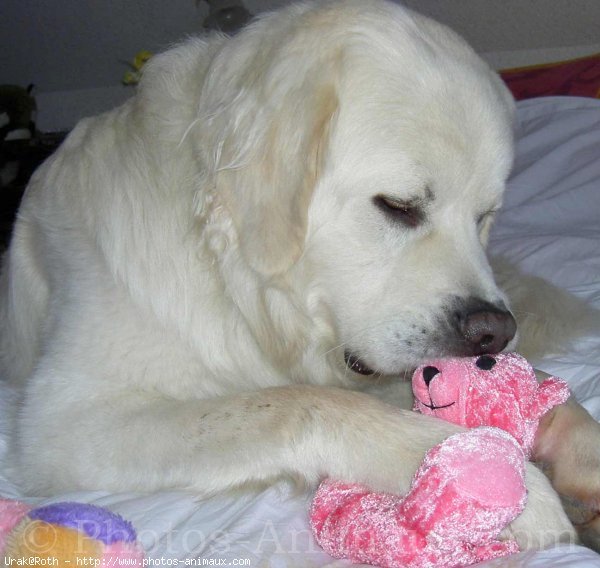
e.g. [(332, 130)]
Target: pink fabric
[(507, 395), (466, 491), (11, 514)]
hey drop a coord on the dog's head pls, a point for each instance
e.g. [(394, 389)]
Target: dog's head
[(364, 149)]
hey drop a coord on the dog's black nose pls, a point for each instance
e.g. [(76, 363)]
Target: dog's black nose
[(484, 327)]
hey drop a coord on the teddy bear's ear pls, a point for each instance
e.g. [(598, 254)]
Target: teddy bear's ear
[(552, 392)]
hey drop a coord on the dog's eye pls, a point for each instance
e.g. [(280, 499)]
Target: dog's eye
[(408, 213)]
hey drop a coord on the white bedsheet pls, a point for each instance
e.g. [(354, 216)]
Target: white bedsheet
[(550, 225)]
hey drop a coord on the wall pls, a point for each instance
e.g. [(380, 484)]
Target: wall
[(75, 51)]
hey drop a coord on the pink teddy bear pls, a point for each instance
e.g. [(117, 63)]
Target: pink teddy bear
[(467, 489)]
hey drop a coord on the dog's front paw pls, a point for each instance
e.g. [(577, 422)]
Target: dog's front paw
[(586, 518), (568, 449)]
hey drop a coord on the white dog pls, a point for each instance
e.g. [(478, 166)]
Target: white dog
[(201, 280)]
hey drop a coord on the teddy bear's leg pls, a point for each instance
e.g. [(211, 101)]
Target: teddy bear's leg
[(350, 521), (466, 491)]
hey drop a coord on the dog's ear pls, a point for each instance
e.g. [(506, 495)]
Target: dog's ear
[(268, 195), (269, 153)]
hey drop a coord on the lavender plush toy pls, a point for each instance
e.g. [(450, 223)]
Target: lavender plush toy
[(66, 534)]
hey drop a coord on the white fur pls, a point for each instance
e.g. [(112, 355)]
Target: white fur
[(188, 269)]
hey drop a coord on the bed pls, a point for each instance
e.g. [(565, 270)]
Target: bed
[(549, 226)]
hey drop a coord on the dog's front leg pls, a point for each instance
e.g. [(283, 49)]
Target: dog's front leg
[(208, 446), (212, 445)]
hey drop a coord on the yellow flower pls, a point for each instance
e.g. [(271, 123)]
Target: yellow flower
[(140, 59), (133, 77)]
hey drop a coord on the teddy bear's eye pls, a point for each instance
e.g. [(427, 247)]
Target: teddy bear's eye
[(485, 362)]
